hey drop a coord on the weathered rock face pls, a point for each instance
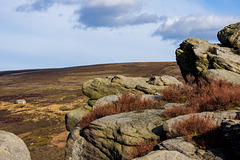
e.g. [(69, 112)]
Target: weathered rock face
[(73, 117), (230, 35), (180, 145), (196, 56), (113, 137), (222, 74), (98, 88), (231, 134), (12, 147)]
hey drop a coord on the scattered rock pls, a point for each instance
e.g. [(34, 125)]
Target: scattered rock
[(12, 147), (20, 101), (112, 137), (72, 118)]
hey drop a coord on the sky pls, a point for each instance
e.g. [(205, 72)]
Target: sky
[(36, 34)]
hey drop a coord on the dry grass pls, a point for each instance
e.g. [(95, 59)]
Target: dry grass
[(49, 88), (204, 96), (126, 102), (144, 147), (198, 130)]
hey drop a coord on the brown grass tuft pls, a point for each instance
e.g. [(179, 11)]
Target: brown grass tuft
[(204, 96), (143, 148), (126, 102), (198, 130), (177, 111)]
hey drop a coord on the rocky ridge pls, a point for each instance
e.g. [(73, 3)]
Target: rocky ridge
[(106, 90), (117, 136)]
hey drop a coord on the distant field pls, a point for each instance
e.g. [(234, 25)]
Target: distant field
[(50, 93)]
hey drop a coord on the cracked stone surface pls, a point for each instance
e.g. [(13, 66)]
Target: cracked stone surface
[(113, 137)]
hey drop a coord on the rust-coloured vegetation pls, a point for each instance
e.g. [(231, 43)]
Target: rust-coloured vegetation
[(143, 148), (126, 102), (198, 130), (204, 96)]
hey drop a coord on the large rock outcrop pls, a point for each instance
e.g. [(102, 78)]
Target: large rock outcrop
[(230, 36), (197, 56), (98, 87), (113, 137), (12, 147)]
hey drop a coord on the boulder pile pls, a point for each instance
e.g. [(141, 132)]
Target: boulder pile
[(118, 136)]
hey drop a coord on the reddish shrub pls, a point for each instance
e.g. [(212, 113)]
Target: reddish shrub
[(143, 148), (178, 110), (126, 102), (212, 96), (198, 130)]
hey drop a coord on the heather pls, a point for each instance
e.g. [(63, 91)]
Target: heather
[(202, 96)]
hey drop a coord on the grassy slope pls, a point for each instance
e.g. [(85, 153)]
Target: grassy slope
[(51, 93)]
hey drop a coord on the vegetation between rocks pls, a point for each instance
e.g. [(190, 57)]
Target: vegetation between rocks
[(198, 130), (143, 148), (204, 96), (126, 102)]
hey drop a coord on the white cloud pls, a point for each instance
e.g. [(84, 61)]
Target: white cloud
[(99, 13), (44, 5), (113, 13), (198, 26)]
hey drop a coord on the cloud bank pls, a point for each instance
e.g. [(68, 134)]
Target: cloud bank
[(99, 13), (198, 26), (120, 13)]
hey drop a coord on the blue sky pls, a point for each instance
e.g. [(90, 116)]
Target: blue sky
[(63, 33)]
